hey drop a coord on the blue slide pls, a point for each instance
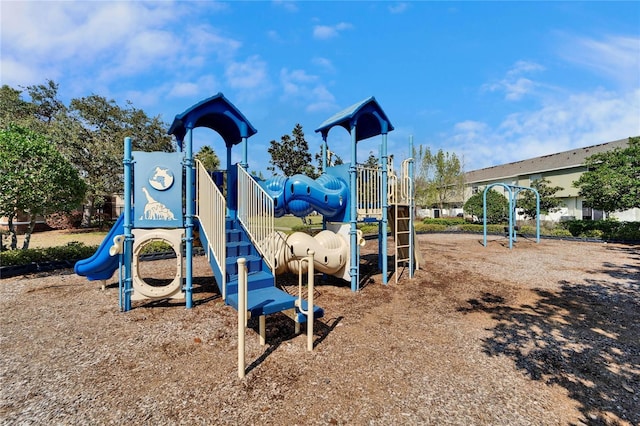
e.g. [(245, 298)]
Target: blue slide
[(101, 265)]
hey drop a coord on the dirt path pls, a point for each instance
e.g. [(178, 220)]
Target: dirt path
[(542, 334)]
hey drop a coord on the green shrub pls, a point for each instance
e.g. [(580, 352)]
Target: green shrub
[(156, 247), (430, 227), (609, 229), (447, 221), (559, 232), (368, 228), (627, 231), (71, 251), (592, 233)]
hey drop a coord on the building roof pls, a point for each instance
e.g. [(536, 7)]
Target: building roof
[(545, 163)]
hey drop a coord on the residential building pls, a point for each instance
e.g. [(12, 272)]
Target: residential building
[(560, 169)]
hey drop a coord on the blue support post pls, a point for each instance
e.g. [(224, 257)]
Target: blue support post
[(385, 202), (245, 149), (128, 224), (324, 153), (484, 216), (324, 170), (537, 217), (189, 214), (511, 230), (411, 210), (353, 219)]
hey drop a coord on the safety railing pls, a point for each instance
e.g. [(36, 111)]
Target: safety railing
[(211, 210), (256, 213), (369, 182), (406, 191), (392, 183)]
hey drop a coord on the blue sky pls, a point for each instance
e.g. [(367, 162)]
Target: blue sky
[(493, 82)]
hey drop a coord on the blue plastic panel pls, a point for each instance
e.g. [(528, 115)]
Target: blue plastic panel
[(157, 190)]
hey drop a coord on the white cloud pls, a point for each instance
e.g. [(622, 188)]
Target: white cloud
[(323, 63), (121, 36), (303, 88), (615, 57), (325, 32), (514, 85), (183, 89), (578, 120), (250, 78)]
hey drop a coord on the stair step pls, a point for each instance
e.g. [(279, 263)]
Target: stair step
[(253, 263), (235, 235), (270, 300), (255, 280), (239, 249)]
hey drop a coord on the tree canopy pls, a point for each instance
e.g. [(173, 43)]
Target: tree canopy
[(439, 177), (612, 180), (35, 179), (89, 133), (548, 201), (291, 155), (208, 158), (497, 206)]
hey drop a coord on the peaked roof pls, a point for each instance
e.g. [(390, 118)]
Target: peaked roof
[(545, 163), (367, 116), (216, 113)]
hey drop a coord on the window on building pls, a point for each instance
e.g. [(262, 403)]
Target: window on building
[(534, 178)]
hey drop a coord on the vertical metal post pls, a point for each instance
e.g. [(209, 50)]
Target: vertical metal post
[(353, 219), (324, 153), (128, 224), (537, 215), (310, 274), (412, 259), (242, 314), (511, 230), (484, 215), (189, 200), (384, 193)]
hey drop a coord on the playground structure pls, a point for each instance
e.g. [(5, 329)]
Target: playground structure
[(513, 191), (170, 197)]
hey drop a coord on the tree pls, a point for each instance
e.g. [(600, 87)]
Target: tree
[(291, 155), (35, 179), (548, 203), (497, 206), (91, 135), (208, 158), (13, 109), (612, 181), (439, 178)]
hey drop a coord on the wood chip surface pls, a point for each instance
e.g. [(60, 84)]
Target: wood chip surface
[(542, 334)]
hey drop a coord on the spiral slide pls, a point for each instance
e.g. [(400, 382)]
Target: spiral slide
[(101, 265), (300, 195)]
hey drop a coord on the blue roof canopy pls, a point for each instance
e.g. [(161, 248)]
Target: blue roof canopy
[(366, 116), (216, 113)]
